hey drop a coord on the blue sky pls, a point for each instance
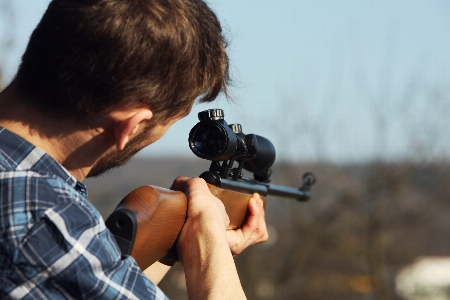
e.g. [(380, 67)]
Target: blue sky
[(341, 81)]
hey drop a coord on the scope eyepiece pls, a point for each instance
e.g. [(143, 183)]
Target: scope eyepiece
[(213, 140)]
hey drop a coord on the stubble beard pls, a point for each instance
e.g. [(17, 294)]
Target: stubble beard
[(114, 158)]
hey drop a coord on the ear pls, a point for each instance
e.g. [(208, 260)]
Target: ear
[(127, 123)]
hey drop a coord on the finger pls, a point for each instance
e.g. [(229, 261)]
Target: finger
[(252, 232), (189, 185), (255, 229), (199, 197), (256, 205), (179, 184), (235, 241), (256, 196)]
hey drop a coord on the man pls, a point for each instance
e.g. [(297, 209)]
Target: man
[(100, 80)]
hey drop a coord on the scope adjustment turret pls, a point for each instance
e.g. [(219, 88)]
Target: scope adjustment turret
[(237, 128), (211, 114)]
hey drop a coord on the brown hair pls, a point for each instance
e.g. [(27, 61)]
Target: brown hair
[(89, 56)]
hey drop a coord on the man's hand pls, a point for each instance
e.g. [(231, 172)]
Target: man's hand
[(203, 207), (208, 264), (254, 230)]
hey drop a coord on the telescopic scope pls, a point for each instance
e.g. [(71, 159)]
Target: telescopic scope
[(213, 139)]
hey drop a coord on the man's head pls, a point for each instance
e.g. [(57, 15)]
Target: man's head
[(87, 57)]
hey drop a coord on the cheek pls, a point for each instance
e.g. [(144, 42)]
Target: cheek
[(158, 133), (161, 134)]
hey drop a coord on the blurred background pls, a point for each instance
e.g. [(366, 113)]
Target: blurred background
[(357, 92)]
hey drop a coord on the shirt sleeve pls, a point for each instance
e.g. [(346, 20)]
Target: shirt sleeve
[(70, 254)]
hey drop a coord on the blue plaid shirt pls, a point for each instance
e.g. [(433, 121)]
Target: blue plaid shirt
[(53, 242)]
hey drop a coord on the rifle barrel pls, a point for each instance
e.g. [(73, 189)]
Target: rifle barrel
[(264, 189), (289, 192), (244, 186)]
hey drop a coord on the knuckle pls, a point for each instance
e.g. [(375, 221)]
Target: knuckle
[(236, 251), (179, 179), (198, 181)]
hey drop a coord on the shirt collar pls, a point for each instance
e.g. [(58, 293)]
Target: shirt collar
[(21, 155)]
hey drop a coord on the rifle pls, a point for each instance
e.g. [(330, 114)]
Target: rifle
[(146, 223)]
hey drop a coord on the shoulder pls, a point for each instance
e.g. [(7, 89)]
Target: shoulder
[(34, 192), (29, 197), (52, 233)]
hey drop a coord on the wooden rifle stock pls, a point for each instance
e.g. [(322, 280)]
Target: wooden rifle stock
[(146, 223)]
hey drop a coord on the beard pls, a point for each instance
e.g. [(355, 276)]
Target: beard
[(114, 158)]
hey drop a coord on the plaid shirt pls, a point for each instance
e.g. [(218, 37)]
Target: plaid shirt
[(53, 242)]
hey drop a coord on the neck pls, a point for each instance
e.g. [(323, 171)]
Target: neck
[(73, 144)]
